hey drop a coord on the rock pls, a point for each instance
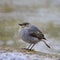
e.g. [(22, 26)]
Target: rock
[(8, 53)]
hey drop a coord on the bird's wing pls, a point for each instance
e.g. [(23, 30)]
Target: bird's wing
[(35, 32), (37, 35)]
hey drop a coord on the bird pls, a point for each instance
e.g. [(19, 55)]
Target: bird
[(31, 34)]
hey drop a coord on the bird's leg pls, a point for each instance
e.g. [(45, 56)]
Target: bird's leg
[(29, 46), (32, 46)]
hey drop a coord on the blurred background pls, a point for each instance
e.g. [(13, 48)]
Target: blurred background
[(45, 14)]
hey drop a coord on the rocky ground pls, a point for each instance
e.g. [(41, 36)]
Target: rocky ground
[(7, 53)]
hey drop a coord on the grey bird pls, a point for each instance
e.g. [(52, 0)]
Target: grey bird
[(31, 34)]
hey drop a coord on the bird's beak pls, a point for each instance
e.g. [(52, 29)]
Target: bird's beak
[(20, 24)]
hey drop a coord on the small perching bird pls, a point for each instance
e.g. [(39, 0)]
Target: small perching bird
[(31, 34)]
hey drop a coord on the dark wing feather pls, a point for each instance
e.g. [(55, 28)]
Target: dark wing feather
[(37, 35), (35, 32)]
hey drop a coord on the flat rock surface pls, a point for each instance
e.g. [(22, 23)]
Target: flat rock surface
[(8, 53)]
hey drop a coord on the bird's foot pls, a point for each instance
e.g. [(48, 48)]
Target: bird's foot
[(31, 49), (28, 49)]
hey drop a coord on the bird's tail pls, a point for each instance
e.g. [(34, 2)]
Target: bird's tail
[(46, 44)]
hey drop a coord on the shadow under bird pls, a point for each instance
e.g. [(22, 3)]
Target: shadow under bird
[(31, 34)]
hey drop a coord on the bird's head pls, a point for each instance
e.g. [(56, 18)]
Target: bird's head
[(24, 24)]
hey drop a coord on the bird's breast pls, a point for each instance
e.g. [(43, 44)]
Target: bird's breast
[(23, 34)]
